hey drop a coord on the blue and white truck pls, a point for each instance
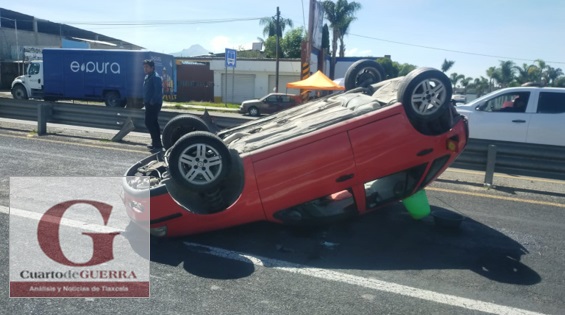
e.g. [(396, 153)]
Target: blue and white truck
[(113, 76)]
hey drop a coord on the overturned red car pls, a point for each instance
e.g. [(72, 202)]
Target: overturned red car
[(343, 155)]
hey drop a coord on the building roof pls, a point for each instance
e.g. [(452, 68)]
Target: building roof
[(25, 22)]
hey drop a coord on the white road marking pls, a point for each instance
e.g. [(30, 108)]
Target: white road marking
[(374, 284), (66, 222)]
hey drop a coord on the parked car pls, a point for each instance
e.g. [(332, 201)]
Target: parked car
[(459, 99), (520, 114), (269, 104), (341, 155)]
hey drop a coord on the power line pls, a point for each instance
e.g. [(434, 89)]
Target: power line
[(451, 50), (159, 22)]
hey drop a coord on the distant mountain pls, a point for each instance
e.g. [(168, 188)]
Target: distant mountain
[(194, 50)]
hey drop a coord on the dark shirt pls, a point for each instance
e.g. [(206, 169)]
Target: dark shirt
[(152, 90)]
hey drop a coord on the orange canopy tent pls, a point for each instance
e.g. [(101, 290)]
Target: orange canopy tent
[(317, 81)]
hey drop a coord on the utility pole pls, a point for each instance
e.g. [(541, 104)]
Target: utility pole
[(277, 50)]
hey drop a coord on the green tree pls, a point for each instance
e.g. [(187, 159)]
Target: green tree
[(291, 43), (405, 68), (391, 67), (559, 82), (455, 77), (446, 65), (326, 38), (340, 15), (552, 75), (481, 86), (492, 76), (506, 73), (465, 82), (271, 48), (343, 30), (270, 24), (540, 71), (526, 73)]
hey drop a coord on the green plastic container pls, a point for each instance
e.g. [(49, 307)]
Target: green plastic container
[(417, 205)]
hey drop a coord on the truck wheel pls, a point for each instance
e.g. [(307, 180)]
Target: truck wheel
[(179, 126), (363, 73), (112, 99), (425, 94), (199, 161), (19, 92)]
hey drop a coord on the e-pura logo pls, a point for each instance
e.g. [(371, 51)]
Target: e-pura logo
[(95, 66)]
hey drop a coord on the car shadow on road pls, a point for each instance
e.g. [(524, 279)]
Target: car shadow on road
[(386, 240)]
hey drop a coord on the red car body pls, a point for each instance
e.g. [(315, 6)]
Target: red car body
[(292, 178)]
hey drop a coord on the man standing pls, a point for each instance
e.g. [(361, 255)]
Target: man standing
[(153, 101)]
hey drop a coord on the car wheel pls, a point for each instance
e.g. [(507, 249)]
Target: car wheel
[(199, 161), (425, 94), (363, 73), (112, 99), (19, 93), (253, 111), (179, 126)]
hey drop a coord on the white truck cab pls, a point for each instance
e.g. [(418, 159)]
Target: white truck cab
[(29, 85)]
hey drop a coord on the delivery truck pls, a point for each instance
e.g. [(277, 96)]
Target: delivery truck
[(112, 76)]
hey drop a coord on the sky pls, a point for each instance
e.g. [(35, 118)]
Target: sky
[(476, 34)]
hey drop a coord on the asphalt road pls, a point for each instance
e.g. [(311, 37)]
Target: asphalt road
[(507, 258)]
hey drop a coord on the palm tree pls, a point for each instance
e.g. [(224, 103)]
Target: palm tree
[(447, 64), (542, 66), (465, 82), (552, 74), (491, 74), (343, 30), (340, 15), (526, 73), (481, 85), (506, 72), (455, 77), (270, 23)]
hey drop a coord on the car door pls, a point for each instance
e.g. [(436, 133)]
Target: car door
[(34, 75), (286, 102), (299, 174), (498, 119), (270, 104), (547, 125)]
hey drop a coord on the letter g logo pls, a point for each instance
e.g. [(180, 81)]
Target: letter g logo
[(48, 234)]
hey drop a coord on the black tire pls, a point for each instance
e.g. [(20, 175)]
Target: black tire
[(253, 111), (19, 92), (425, 94), (112, 99), (179, 126), (199, 161), (363, 73)]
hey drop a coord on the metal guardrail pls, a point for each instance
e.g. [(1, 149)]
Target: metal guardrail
[(123, 119), (514, 158), (485, 155)]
